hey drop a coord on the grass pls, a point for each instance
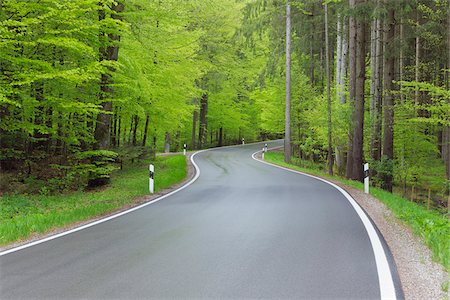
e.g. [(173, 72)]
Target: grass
[(22, 216), (432, 226)]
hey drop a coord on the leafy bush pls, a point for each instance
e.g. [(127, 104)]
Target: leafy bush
[(94, 166)]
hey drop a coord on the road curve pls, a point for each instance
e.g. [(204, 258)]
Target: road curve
[(243, 229)]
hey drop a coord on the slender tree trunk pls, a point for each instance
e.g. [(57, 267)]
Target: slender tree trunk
[(417, 62), (388, 142), (144, 139), (194, 125), (446, 130), (377, 90), (311, 49), (358, 116), (327, 58), (351, 85), (220, 137), (202, 132), (136, 123), (114, 131), (167, 143), (111, 53), (287, 127), (401, 58), (119, 128)]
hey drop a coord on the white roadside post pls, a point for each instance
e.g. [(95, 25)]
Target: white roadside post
[(184, 149), (366, 178), (151, 183), (265, 147), (263, 151), (243, 141)]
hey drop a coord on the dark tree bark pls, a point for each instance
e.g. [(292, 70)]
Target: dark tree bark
[(110, 52), (144, 139), (389, 66), (119, 128), (114, 129), (358, 112), (327, 54), (136, 123), (220, 144), (202, 132), (351, 85), (194, 127)]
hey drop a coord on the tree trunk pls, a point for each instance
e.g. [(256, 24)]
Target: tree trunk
[(417, 61), (351, 85), (144, 139), (388, 142), (167, 143), (311, 49), (194, 125), (114, 131), (358, 116), (287, 127), (119, 129), (327, 58), (202, 131), (377, 90), (220, 137), (101, 134), (136, 123)]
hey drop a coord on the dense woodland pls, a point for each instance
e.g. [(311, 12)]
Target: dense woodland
[(88, 84)]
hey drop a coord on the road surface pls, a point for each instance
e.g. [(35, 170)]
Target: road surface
[(243, 229)]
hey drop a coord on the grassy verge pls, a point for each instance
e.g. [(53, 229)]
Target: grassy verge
[(21, 216), (432, 226)]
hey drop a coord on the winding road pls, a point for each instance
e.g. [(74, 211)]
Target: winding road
[(243, 229)]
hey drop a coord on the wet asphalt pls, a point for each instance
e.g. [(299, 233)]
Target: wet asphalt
[(242, 230)]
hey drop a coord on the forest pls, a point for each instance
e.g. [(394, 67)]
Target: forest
[(87, 85)]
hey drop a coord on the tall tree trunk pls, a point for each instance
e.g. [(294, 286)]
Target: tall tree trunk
[(144, 139), (194, 124), (388, 142), (220, 137), (136, 123), (167, 143), (417, 60), (377, 89), (102, 129), (311, 48), (351, 85), (358, 116), (287, 127), (327, 58), (114, 128), (119, 129), (446, 130), (202, 131)]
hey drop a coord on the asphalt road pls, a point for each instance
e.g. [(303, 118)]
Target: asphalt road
[(243, 229)]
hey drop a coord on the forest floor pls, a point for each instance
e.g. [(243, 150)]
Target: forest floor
[(420, 275), (26, 218)]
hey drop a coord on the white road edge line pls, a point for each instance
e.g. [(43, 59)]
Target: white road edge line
[(387, 288), (52, 237)]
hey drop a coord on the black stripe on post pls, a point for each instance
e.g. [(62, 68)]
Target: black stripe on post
[(366, 173)]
